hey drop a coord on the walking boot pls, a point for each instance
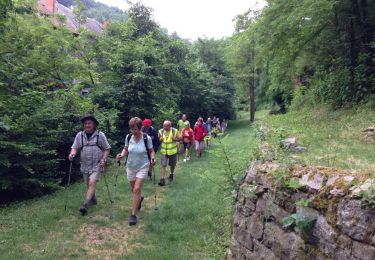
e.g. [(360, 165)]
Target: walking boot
[(132, 220), (84, 208), (161, 182), (170, 177)]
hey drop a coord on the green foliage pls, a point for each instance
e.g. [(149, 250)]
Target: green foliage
[(299, 223), (249, 191), (133, 69), (319, 49), (303, 202), (78, 12), (98, 11), (368, 197)]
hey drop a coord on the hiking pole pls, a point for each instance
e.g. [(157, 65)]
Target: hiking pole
[(110, 214), (155, 205), (116, 177), (66, 196), (106, 184)]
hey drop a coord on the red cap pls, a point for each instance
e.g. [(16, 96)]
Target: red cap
[(147, 122)]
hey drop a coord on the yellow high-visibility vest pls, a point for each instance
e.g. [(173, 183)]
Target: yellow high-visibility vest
[(168, 146)]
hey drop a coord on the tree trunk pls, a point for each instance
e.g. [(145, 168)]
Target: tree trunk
[(252, 87), (252, 99)]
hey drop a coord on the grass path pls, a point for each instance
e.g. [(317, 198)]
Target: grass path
[(193, 220)]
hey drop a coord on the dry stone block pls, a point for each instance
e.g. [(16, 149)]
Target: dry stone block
[(357, 190), (314, 182), (363, 252), (326, 235), (261, 252), (255, 225), (245, 239), (331, 180), (356, 222), (286, 245)]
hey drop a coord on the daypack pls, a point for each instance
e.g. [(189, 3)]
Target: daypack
[(97, 141), (145, 140)]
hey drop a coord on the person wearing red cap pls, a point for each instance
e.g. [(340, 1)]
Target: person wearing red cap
[(147, 128)]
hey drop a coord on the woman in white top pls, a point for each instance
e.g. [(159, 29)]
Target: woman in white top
[(138, 162)]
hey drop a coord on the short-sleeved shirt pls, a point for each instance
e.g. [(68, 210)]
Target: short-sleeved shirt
[(91, 150), (137, 154), (181, 125), (208, 126)]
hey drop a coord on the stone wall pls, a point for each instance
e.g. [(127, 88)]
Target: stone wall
[(340, 227)]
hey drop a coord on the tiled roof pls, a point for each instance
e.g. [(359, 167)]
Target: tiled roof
[(91, 24)]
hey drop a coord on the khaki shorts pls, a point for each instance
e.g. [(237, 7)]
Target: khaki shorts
[(94, 176), (199, 145), (171, 158), (140, 173)]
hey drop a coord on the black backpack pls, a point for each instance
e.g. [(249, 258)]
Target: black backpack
[(145, 140)]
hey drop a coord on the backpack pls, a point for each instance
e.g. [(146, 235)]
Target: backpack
[(97, 141), (145, 140)]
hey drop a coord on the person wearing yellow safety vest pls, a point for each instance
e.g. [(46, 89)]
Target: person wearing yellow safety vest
[(169, 138)]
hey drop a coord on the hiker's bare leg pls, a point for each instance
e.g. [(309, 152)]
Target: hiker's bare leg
[(162, 172), (172, 169), (91, 185), (136, 188)]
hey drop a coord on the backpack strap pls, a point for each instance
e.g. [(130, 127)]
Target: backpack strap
[(128, 141), (97, 141), (145, 140), (128, 138)]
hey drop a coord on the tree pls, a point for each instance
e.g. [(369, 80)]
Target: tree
[(78, 11)]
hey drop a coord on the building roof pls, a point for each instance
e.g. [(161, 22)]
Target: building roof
[(91, 24)]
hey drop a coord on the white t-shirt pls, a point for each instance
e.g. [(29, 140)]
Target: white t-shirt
[(137, 156)]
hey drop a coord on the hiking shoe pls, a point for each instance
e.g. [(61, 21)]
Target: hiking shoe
[(149, 175), (84, 209), (132, 220), (140, 203), (188, 158), (185, 160), (161, 182), (170, 177)]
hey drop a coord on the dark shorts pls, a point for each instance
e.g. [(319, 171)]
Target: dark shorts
[(171, 160), (187, 145)]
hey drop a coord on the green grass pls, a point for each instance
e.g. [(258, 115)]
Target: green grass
[(193, 221), (333, 138)]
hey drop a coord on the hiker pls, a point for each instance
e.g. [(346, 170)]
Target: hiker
[(208, 126), (199, 133), (168, 137), (140, 156), (214, 121), (151, 131), (180, 127), (187, 137), (224, 126), (94, 150), (218, 125)]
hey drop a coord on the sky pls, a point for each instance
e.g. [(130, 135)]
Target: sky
[(195, 18)]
